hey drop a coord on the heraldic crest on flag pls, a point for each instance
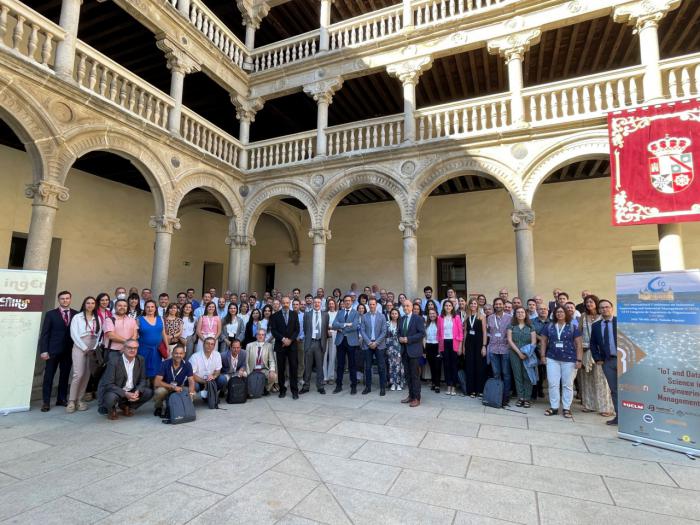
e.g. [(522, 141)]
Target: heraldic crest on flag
[(670, 169)]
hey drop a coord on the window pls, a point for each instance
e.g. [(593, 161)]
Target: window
[(645, 261), (18, 247)]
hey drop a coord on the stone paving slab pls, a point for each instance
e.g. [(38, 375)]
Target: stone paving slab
[(468, 446), (437, 461), (61, 510), (399, 436), (370, 477)]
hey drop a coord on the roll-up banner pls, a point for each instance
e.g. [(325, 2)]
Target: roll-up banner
[(21, 306), (658, 363)]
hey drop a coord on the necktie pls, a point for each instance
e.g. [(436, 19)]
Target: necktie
[(65, 317), (317, 329), (286, 317), (258, 360), (405, 325), (372, 320), (606, 337)]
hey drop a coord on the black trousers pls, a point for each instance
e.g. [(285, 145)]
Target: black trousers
[(113, 400), (343, 350), (435, 362), (287, 355), (411, 366), (63, 361)]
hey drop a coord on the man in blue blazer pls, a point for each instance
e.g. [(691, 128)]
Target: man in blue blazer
[(411, 335), (603, 347), (55, 347), (347, 340), (373, 330)]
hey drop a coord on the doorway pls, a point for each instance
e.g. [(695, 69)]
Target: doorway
[(269, 277), (452, 273), (213, 276)]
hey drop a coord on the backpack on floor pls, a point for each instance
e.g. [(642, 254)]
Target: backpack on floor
[(493, 393), (212, 395), (256, 384), (237, 391), (180, 409), (462, 378)]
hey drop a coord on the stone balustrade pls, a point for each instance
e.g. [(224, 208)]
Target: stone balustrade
[(427, 12), (289, 149), (102, 76), (206, 136), (370, 134), (26, 33), (366, 28), (681, 76), (466, 117), (288, 51)]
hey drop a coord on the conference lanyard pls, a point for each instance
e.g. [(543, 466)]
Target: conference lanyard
[(172, 371), (559, 331), (472, 319)]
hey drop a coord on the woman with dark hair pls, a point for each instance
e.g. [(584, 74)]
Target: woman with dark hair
[(251, 327), (134, 310), (393, 351), (234, 327), (450, 337), (475, 365), (208, 325), (104, 312), (188, 337), (244, 313), (85, 331), (562, 342), (481, 301), (330, 353), (173, 325), (595, 393), (337, 295), (151, 333), (521, 333), (431, 350), (265, 322)]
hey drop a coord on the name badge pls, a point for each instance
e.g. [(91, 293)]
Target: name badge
[(559, 345), (472, 332), (497, 334), (173, 383), (258, 367)]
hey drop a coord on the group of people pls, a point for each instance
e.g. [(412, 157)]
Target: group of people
[(129, 349)]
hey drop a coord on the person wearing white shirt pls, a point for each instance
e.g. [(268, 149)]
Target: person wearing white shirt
[(206, 366), (85, 330), (124, 384)]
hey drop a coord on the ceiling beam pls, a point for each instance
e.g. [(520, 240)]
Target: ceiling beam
[(581, 59), (570, 51)]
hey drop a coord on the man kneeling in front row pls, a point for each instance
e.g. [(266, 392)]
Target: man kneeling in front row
[(173, 375), (261, 361), (124, 382)]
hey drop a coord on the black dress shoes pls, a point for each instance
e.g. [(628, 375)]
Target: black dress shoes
[(321, 390), (382, 392), (304, 390), (295, 395), (353, 390), (45, 407), (282, 394), (338, 389), (266, 392), (366, 391), (611, 422), (62, 403)]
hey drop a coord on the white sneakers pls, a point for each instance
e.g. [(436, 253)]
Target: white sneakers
[(70, 407), (393, 388)]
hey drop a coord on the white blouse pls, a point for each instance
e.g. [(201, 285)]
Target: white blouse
[(431, 334), (447, 327)]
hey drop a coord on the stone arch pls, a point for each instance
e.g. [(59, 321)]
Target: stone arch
[(575, 148), (149, 165), (344, 183), (212, 182), (291, 225), (436, 174), (261, 199), (33, 127)]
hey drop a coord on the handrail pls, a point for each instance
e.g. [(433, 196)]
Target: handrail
[(204, 20), (28, 33), (204, 135)]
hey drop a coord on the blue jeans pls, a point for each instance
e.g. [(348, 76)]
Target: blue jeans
[(500, 364), (381, 366)]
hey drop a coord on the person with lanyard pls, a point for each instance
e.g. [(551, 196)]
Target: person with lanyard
[(124, 382), (432, 354), (118, 329), (520, 334), (260, 360), (173, 375), (498, 350), (564, 357), (450, 337), (55, 350), (539, 323), (603, 346), (475, 366), (208, 325), (85, 331), (206, 366), (347, 340), (315, 326)]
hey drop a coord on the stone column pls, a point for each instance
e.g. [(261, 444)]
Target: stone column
[(46, 196), (410, 258), (234, 256), (407, 15), (179, 63), (645, 16), (319, 237), (324, 35), (164, 226), (65, 50), (244, 243), (513, 48), (523, 220), (253, 11), (408, 72), (184, 7), (671, 247), (246, 108), (322, 92)]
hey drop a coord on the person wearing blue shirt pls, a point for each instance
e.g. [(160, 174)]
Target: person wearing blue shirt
[(173, 374), (296, 307), (199, 311)]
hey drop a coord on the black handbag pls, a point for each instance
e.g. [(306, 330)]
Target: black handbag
[(212, 395)]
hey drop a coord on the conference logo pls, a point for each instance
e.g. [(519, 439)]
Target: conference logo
[(633, 405), (670, 168), (648, 418), (14, 303)]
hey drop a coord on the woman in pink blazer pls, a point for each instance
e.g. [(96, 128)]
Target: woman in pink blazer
[(450, 336)]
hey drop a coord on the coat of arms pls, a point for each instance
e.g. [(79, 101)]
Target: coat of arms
[(670, 169)]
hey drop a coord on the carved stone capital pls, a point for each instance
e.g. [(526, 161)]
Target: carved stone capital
[(294, 256), (323, 90), (46, 193), (246, 108), (515, 45), (253, 11), (178, 59), (408, 228), (409, 71), (319, 235), (240, 241), (164, 224), (644, 13), (522, 219)]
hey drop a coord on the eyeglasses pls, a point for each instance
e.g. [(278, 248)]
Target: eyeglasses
[(131, 347)]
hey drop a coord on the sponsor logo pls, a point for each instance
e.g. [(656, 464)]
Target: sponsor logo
[(633, 405), (662, 430), (654, 408), (676, 422), (686, 439), (648, 418), (627, 387)]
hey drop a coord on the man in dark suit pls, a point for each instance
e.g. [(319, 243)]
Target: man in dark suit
[(284, 325), (347, 341), (315, 337), (603, 347), (55, 347), (373, 330), (124, 382), (411, 334)]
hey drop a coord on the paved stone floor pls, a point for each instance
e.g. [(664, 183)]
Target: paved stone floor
[(338, 459)]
